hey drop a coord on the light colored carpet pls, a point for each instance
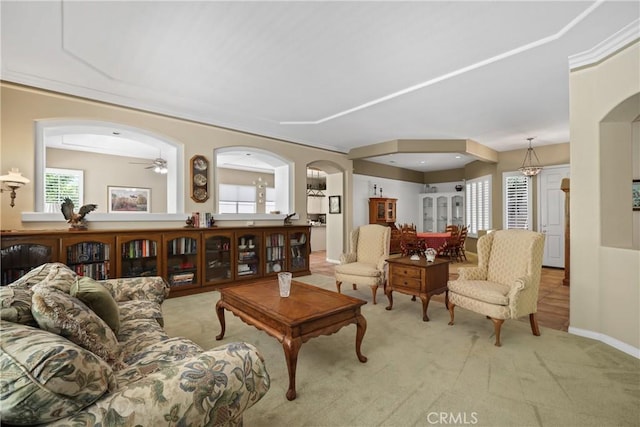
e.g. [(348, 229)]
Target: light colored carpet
[(428, 373)]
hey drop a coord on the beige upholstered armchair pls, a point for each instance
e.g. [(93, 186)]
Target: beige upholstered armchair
[(365, 263), (505, 283)]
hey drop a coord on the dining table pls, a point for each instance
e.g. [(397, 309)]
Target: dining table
[(436, 241)]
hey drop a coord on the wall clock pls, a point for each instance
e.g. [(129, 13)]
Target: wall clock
[(199, 179)]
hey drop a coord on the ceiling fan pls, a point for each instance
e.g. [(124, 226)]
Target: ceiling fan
[(158, 165)]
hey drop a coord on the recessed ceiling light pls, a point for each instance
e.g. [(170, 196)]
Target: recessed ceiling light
[(458, 157), (422, 162)]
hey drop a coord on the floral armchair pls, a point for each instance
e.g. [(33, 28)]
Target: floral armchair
[(366, 264), (505, 283)]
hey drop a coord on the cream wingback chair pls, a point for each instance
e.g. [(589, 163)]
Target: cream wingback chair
[(365, 263), (505, 283)]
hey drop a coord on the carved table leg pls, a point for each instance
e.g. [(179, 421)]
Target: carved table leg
[(361, 328), (220, 312), (390, 298), (291, 348), (425, 303)]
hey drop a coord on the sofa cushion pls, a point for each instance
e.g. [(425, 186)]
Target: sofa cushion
[(60, 277), (34, 276), (46, 377), (69, 317), (15, 305), (98, 299)]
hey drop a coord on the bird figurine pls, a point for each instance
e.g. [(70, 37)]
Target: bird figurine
[(77, 220), (287, 219)]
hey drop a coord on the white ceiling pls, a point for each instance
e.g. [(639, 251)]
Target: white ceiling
[(335, 75)]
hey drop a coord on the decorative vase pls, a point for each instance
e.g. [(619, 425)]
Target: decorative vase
[(430, 254)]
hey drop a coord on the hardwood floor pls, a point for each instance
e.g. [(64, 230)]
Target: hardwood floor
[(553, 297)]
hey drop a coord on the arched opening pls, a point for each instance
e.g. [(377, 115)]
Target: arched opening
[(335, 223), (619, 154), (110, 154), (252, 183)]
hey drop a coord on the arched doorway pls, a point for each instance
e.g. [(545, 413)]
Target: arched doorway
[(335, 222)]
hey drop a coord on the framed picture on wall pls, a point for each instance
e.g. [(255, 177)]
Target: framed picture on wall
[(129, 199), (635, 194), (334, 204)]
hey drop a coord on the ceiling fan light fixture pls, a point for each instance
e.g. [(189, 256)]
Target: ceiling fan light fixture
[(529, 168)]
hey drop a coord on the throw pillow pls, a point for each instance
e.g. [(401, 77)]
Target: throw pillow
[(98, 299), (34, 276), (15, 305), (60, 277), (69, 317), (46, 377)]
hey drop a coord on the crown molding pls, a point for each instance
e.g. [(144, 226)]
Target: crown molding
[(607, 47)]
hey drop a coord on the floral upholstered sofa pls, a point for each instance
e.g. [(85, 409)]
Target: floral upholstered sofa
[(78, 352)]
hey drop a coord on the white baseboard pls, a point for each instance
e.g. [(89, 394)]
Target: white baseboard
[(333, 261), (622, 346)]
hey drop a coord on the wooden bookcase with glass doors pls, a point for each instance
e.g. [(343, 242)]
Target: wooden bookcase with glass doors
[(190, 260)]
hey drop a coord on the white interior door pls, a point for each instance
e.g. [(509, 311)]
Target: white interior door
[(551, 214)]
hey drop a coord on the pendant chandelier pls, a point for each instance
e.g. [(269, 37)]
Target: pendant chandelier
[(529, 168)]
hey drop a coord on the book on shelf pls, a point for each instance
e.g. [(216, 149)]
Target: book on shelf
[(182, 278)]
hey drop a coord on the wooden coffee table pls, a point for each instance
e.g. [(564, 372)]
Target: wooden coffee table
[(420, 278), (308, 312)]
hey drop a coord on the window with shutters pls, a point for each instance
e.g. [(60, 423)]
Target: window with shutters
[(60, 184), (478, 204), (237, 198), (517, 201)]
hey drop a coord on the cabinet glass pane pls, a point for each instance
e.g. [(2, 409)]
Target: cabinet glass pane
[(299, 249), (17, 260), (427, 214), (275, 252), (182, 261), (91, 259), (139, 258), (442, 204), (248, 255), (217, 258)]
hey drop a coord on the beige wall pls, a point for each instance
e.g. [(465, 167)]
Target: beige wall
[(605, 296), (22, 106), (101, 171)]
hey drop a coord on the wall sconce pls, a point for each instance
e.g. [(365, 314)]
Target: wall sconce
[(12, 181)]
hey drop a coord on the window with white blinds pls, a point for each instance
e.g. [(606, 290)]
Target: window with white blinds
[(60, 184), (478, 204), (237, 198), (517, 201)]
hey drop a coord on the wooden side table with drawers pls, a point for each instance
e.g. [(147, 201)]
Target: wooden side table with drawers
[(420, 278)]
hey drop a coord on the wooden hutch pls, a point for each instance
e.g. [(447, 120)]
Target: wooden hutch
[(382, 210)]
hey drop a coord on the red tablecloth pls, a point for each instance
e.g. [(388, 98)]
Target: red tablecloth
[(434, 240)]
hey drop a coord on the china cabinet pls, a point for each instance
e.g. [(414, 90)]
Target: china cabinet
[(382, 210), (437, 210)]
